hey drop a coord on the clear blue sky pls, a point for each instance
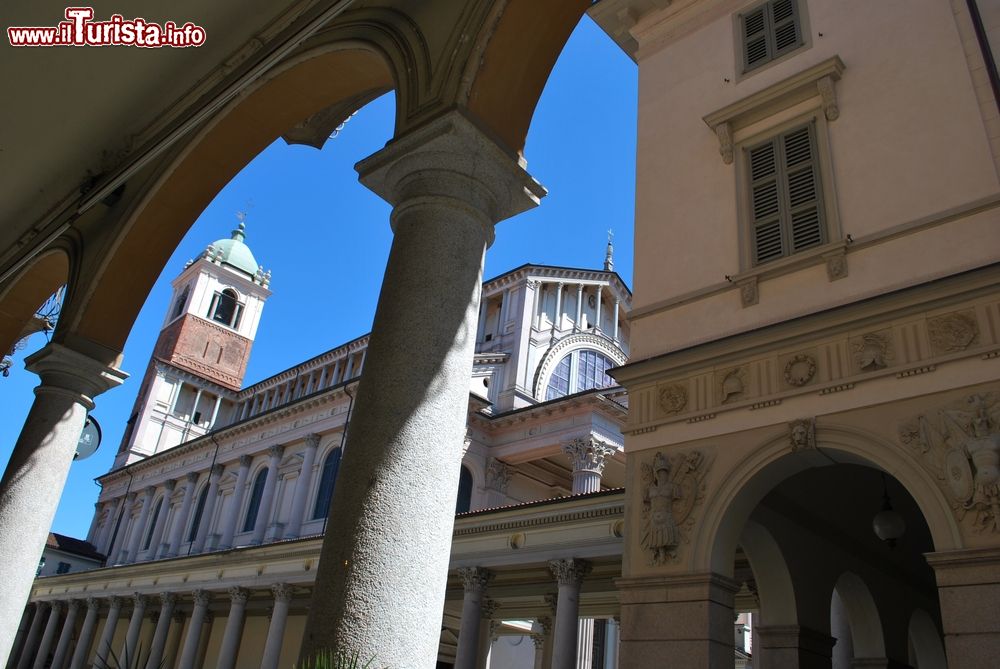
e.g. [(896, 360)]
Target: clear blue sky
[(326, 238)]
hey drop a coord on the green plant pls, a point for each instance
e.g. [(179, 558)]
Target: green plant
[(126, 661), (337, 660)]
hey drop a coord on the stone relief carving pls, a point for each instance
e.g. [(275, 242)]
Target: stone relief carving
[(672, 486), (836, 266), (734, 383), (498, 475), (802, 433), (673, 398), (748, 292), (724, 131), (872, 351), (588, 454), (961, 446), (800, 370), (829, 96), (953, 332)]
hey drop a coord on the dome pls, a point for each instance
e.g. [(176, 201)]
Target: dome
[(234, 252)]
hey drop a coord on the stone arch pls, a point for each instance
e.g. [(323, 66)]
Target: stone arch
[(867, 635), (20, 299), (565, 346), (925, 642), (728, 508), (774, 582), (324, 75)]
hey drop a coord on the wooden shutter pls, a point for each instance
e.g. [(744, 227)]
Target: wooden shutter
[(804, 214), (770, 31), (765, 202), (784, 24), (755, 42)]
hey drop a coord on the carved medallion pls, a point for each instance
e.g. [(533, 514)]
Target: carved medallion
[(960, 444), (800, 370), (872, 351), (953, 332), (672, 486), (673, 398)]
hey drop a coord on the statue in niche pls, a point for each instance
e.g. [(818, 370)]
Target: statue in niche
[(672, 485)]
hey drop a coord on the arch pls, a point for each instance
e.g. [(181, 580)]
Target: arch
[(925, 642), (568, 345), (20, 299), (327, 74), (463, 501), (774, 582), (728, 509), (226, 308), (867, 636), (256, 495), (327, 483), (151, 525)]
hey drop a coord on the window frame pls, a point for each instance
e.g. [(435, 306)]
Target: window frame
[(318, 512), (573, 381), (238, 308), (739, 48), (254, 500)]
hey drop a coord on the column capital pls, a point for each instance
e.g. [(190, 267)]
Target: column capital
[(588, 454), (168, 598), (245, 460), (139, 601), (73, 604), (129, 498), (538, 640), (201, 597), (55, 606), (150, 490), (191, 478), (217, 470), (115, 601), (451, 158), (283, 592), (312, 440), (65, 369), (498, 475), (93, 603), (170, 485), (276, 451), (475, 579), (569, 571), (238, 595), (489, 607)]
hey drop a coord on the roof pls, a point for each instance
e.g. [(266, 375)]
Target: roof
[(234, 252), (79, 547)]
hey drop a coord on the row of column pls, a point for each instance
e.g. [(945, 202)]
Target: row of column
[(49, 635), (114, 545), (558, 642), (561, 286)]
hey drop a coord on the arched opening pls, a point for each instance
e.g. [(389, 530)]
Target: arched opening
[(926, 647), (151, 527), (854, 622), (20, 300), (199, 510), (256, 495), (464, 501), (327, 483), (226, 308)]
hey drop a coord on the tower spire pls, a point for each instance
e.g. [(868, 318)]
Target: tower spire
[(609, 261)]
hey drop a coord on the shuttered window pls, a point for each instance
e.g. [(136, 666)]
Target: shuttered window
[(769, 31), (786, 208)]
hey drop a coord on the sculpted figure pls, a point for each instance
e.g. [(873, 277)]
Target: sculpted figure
[(663, 532)]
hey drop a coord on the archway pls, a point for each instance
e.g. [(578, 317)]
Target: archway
[(27, 292)]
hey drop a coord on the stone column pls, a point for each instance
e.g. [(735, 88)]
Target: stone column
[(161, 520), (174, 640), (189, 652), (233, 514), (66, 637), (206, 514), (276, 630), (487, 632), (181, 521), (82, 651), (579, 308), (27, 618), (611, 644), (128, 656), (557, 320), (569, 573), (968, 589), (234, 628), (542, 638), (115, 552), (686, 617), (588, 456), (615, 330), (475, 580), (36, 471), (49, 636), (167, 602), (597, 309), (30, 647), (585, 643), (108, 635), (536, 313), (383, 562), (267, 498), (302, 486), (497, 478), (135, 541)]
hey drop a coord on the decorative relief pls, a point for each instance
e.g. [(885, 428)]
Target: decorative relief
[(498, 475), (733, 384), (872, 351), (588, 454), (569, 571), (836, 265), (748, 292), (953, 332), (475, 579), (802, 434), (800, 370), (961, 446), (724, 131), (673, 486), (673, 398), (829, 96)]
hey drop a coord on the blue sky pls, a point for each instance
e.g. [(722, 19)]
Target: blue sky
[(326, 238)]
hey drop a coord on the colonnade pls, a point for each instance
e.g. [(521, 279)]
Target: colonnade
[(51, 634)]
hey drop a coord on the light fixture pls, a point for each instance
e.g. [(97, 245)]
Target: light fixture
[(888, 525)]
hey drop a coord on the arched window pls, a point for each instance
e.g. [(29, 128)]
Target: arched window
[(181, 302), (327, 482), (199, 509), (152, 524), (226, 308), (464, 501), (579, 371), (255, 496)]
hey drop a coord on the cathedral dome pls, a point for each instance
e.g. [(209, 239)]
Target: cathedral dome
[(235, 252)]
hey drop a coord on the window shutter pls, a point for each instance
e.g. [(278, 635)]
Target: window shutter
[(805, 217), (765, 203), (785, 26), (770, 31), (755, 51)]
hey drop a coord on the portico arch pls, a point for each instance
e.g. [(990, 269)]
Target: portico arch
[(22, 296), (862, 615), (774, 582)]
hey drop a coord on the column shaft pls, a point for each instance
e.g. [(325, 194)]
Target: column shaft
[(23, 628), (135, 541), (189, 651), (129, 655), (611, 644), (233, 514), (181, 521), (49, 636), (168, 601), (37, 469), (234, 628), (302, 486), (30, 648), (276, 630), (115, 552), (211, 498), (569, 574), (66, 637), (448, 185), (475, 581), (267, 498), (108, 635), (82, 650)]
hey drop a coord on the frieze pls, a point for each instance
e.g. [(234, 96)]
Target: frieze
[(872, 351), (800, 370), (673, 398), (953, 332), (733, 384), (960, 444), (673, 485)]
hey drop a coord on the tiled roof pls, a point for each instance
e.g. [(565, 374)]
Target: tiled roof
[(75, 546)]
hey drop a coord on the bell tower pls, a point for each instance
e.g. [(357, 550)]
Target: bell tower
[(202, 351)]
